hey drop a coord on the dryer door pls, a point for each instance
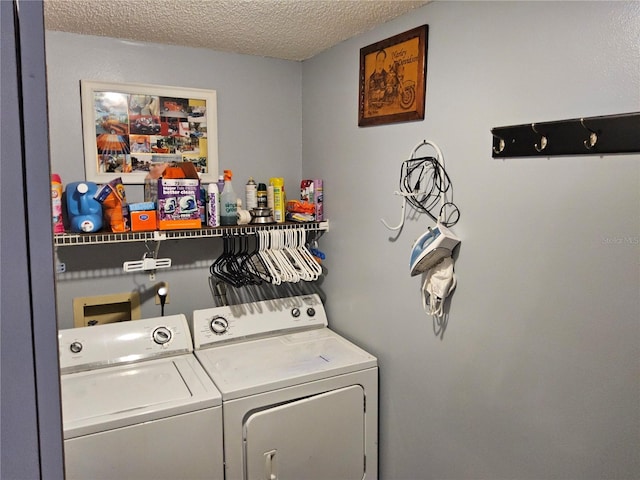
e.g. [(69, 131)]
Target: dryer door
[(315, 438)]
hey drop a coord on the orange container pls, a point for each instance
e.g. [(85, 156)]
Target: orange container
[(143, 221), (143, 216)]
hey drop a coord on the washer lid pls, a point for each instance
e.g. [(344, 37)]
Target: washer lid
[(108, 398), (266, 364)]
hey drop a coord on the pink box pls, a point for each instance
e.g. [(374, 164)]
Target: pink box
[(312, 191)]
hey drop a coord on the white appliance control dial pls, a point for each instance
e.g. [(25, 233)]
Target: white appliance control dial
[(219, 325), (117, 343), (162, 335), (234, 323)]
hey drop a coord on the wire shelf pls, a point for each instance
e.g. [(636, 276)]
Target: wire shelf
[(70, 239)]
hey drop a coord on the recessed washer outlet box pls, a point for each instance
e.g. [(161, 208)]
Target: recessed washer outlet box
[(101, 309)]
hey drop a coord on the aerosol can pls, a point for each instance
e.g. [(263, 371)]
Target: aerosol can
[(213, 205), (251, 194)]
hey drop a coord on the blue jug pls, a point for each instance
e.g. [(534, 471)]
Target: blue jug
[(84, 211)]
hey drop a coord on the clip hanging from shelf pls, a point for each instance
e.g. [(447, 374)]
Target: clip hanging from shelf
[(149, 263), (146, 264)]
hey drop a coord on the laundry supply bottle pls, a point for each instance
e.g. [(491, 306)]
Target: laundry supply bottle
[(279, 199), (262, 195), (270, 201), (220, 183), (251, 194), (213, 205), (202, 204), (84, 211), (228, 202), (56, 203)]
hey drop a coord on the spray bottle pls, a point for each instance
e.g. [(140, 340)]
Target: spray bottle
[(228, 202), (220, 183)]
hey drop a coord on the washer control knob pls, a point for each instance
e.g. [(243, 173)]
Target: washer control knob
[(162, 335), (311, 311), (295, 312), (219, 325), (75, 347)]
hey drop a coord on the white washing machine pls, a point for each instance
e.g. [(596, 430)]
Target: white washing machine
[(136, 404), (299, 401)]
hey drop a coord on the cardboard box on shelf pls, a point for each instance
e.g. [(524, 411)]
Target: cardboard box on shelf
[(143, 216), (312, 191), (178, 192)]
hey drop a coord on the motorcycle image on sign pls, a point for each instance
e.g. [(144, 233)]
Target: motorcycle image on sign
[(389, 87)]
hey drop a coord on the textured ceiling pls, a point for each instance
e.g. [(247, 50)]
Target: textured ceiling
[(287, 29)]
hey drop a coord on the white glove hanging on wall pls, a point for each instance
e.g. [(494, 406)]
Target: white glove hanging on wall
[(439, 282)]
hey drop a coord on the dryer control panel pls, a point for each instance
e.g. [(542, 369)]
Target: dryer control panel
[(88, 348), (264, 318)]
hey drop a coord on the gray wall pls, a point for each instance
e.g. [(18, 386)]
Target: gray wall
[(537, 373), (259, 135)]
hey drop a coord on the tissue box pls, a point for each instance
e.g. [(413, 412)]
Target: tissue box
[(178, 198)]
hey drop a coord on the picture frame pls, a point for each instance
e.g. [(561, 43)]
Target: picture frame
[(393, 79), (129, 127)]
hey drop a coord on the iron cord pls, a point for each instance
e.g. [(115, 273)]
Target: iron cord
[(429, 182)]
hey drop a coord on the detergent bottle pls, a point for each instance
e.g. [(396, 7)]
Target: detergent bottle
[(84, 211), (228, 202), (56, 203)]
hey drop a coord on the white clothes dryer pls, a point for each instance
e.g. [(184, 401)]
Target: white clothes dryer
[(299, 400), (136, 404)]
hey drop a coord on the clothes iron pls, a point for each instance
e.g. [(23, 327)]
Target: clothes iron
[(431, 247)]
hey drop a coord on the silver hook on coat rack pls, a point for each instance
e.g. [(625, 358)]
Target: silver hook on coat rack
[(593, 136), (543, 139), (501, 144), (414, 194)]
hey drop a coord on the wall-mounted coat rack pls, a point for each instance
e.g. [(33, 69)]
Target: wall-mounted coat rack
[(579, 136)]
